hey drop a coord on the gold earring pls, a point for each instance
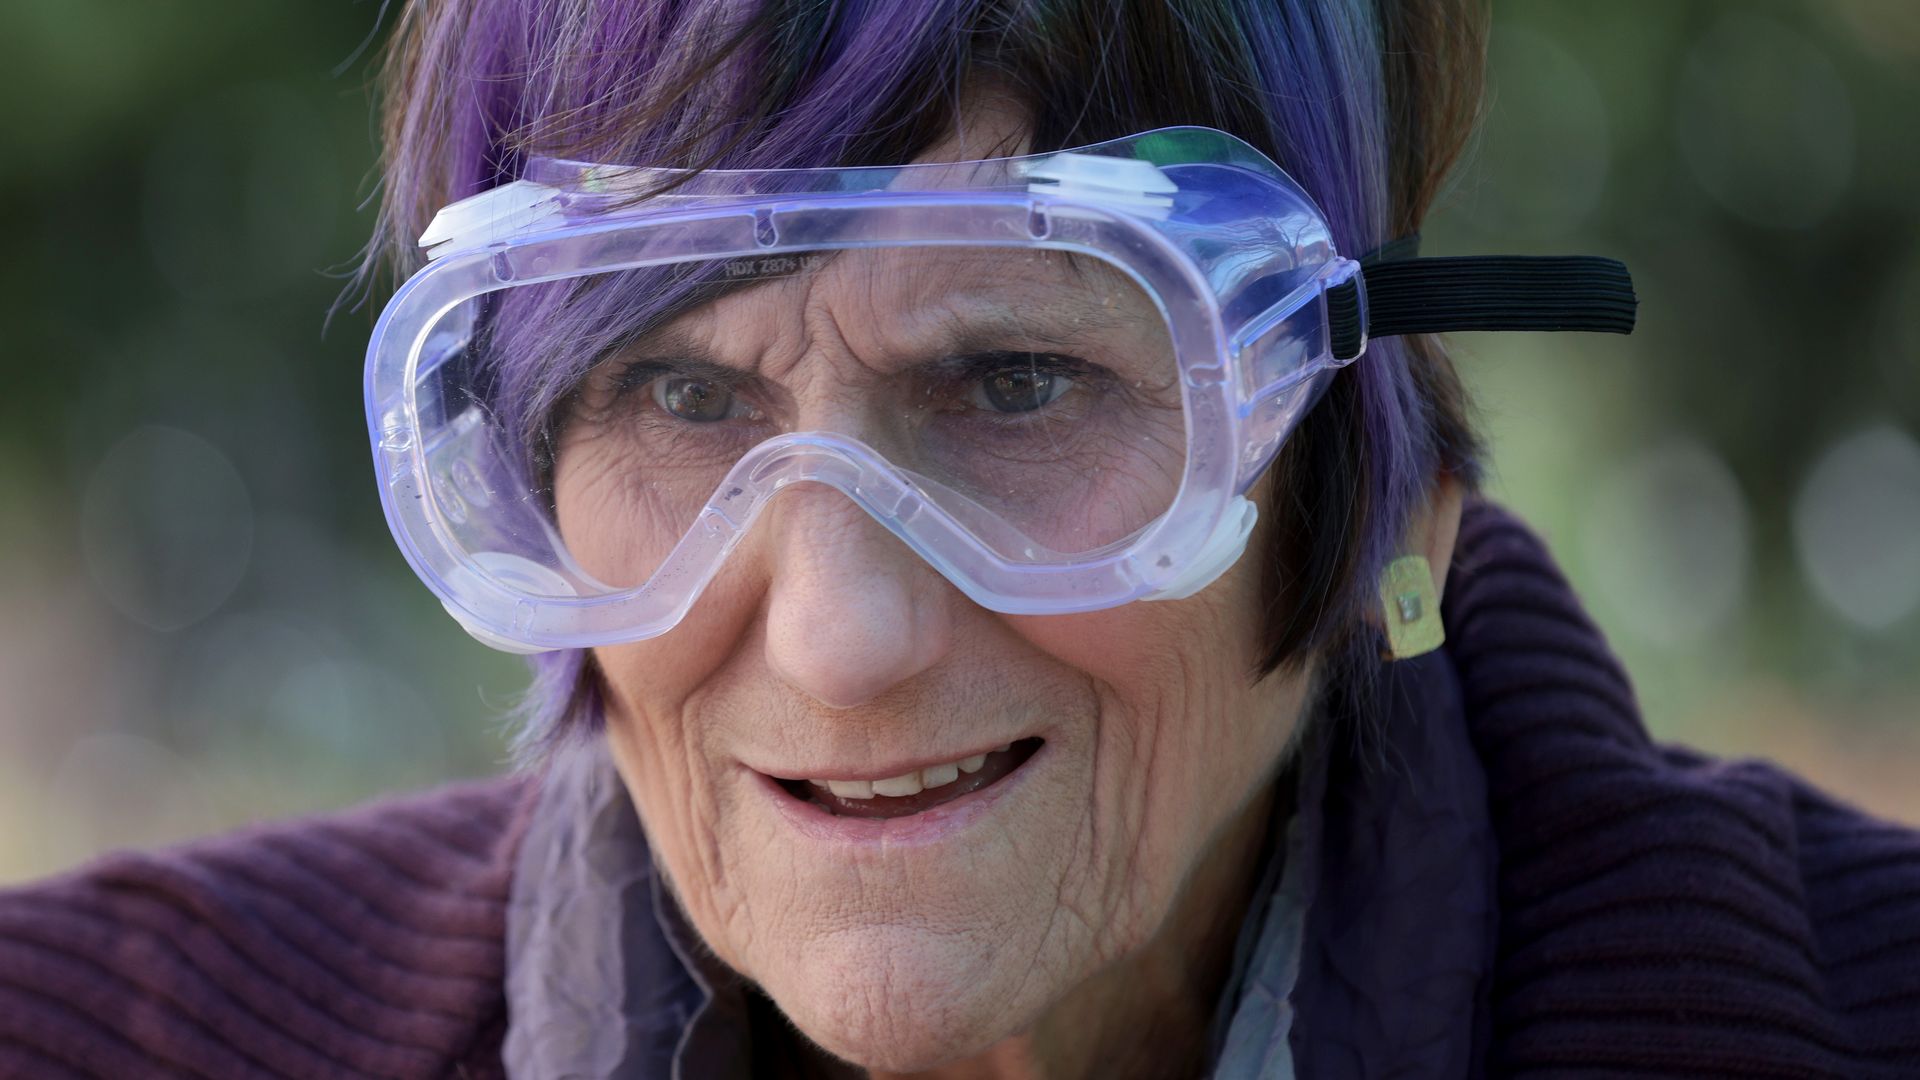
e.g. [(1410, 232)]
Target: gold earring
[(1412, 608)]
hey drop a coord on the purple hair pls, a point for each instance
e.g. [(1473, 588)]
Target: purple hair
[(1365, 103)]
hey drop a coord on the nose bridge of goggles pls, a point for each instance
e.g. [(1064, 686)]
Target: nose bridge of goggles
[(941, 525)]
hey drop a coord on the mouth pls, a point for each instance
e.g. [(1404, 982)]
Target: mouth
[(914, 792)]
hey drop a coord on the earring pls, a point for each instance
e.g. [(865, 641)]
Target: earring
[(1412, 608)]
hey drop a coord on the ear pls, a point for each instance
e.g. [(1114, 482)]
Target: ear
[(1437, 528)]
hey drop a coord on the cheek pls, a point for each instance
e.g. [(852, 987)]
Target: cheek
[(1185, 739), (618, 517), (693, 822), (660, 696), (590, 500), (1160, 656)]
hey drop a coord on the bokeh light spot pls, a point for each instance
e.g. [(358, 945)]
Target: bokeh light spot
[(118, 789), (166, 527), (1765, 123), (1667, 538), (1856, 523)]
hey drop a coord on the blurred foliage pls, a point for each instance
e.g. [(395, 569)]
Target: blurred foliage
[(182, 191), (183, 183), (1736, 488)]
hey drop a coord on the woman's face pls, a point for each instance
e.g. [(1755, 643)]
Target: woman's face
[(904, 930)]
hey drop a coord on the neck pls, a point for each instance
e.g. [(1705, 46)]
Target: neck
[(1151, 1014)]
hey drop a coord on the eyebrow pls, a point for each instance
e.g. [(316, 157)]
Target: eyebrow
[(984, 327), (682, 357), (993, 326)]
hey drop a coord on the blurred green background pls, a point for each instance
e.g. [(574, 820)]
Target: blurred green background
[(203, 621)]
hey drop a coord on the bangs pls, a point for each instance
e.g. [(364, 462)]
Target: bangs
[(476, 88)]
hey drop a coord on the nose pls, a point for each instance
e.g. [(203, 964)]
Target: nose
[(852, 611)]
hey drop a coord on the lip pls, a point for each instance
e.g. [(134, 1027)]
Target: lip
[(884, 772), (932, 826)]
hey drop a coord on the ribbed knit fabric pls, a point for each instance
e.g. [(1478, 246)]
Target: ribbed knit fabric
[(1660, 914), (367, 944)]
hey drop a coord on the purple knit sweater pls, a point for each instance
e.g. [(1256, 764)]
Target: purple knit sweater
[(1659, 913)]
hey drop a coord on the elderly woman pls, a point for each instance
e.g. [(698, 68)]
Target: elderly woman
[(978, 485)]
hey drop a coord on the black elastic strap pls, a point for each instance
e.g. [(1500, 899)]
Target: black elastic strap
[(1482, 292)]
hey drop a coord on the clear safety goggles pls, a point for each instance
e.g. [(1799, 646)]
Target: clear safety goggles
[(1054, 377)]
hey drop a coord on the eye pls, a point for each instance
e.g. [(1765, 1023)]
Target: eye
[(698, 401), (1019, 390)]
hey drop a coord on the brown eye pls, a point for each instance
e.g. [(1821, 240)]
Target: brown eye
[(1020, 390), (694, 400)]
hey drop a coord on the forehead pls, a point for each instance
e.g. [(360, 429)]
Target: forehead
[(934, 295), (910, 276)]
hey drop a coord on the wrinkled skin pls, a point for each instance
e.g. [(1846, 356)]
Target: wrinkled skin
[(1089, 916)]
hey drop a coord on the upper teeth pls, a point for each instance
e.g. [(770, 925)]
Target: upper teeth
[(912, 783)]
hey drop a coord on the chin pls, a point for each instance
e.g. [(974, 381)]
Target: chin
[(901, 1000)]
